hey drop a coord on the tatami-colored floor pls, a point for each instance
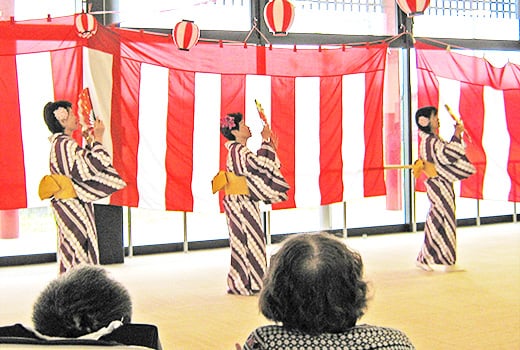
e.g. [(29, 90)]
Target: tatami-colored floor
[(184, 294)]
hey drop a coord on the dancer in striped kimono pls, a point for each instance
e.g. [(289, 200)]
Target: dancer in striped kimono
[(79, 176), (249, 179), (445, 163)]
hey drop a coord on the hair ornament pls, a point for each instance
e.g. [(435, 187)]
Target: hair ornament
[(423, 121), (227, 121), (61, 114)]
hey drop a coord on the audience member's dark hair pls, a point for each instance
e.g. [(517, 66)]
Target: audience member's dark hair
[(425, 112), (81, 301), (314, 285), (48, 115), (225, 130)]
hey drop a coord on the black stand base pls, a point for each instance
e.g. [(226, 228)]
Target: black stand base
[(109, 226)]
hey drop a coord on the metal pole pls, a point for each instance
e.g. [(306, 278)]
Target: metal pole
[(185, 228), (405, 24), (412, 208), (478, 212), (129, 232), (268, 227), (345, 235)]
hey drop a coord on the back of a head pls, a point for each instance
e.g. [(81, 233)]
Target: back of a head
[(52, 123), (314, 285), (79, 302), (422, 118), (228, 123)]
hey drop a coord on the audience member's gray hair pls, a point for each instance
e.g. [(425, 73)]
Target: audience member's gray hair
[(314, 285), (79, 302)]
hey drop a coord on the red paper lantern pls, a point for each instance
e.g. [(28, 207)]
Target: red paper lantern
[(186, 34), (413, 7), (279, 16), (86, 25)]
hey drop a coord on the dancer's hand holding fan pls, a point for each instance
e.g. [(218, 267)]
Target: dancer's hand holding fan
[(459, 124), (86, 114), (267, 133)]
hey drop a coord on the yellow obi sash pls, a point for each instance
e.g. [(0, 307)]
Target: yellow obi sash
[(417, 168), (230, 183), (422, 165), (57, 186)]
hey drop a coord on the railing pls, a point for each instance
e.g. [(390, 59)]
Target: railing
[(507, 9)]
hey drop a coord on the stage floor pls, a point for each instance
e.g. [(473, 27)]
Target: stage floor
[(184, 294)]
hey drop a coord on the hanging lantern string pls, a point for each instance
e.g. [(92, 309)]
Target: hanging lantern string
[(394, 38), (234, 42), (448, 46), (387, 40), (364, 43), (368, 43), (255, 27)]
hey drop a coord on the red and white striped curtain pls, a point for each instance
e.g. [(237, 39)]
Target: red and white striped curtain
[(162, 106), (487, 98), (162, 109)]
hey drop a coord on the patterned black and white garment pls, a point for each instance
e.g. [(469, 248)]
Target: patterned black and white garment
[(363, 337), (451, 164), (247, 240), (93, 177)]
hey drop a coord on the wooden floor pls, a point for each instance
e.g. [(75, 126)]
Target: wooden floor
[(184, 294)]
